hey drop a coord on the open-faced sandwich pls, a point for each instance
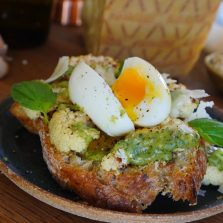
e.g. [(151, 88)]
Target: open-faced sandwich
[(119, 134)]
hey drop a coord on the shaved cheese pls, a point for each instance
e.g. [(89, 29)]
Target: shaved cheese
[(201, 111), (184, 102), (109, 163), (61, 68), (196, 93), (167, 79), (121, 154)]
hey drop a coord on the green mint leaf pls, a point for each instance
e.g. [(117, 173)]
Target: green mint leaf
[(210, 130), (119, 69), (216, 159), (34, 95)]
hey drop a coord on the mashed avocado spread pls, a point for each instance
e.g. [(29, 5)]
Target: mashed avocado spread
[(151, 144), (146, 145)]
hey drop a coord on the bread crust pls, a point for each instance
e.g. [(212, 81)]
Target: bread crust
[(30, 125), (85, 183), (133, 189)]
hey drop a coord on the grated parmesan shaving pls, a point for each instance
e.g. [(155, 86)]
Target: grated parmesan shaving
[(196, 94), (121, 154), (167, 79), (201, 111), (61, 68)]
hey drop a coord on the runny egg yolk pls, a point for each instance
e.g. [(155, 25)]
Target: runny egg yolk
[(130, 89)]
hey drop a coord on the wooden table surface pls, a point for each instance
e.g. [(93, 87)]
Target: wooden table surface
[(16, 205)]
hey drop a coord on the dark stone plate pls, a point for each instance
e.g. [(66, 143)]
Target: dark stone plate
[(20, 152)]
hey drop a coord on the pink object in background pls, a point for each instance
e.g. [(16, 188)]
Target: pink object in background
[(68, 12)]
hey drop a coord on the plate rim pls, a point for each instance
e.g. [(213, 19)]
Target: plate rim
[(96, 213)]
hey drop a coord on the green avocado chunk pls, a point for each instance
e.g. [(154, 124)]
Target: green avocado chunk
[(95, 155), (85, 132)]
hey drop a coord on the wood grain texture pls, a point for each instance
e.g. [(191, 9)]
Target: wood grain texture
[(15, 205), (18, 206)]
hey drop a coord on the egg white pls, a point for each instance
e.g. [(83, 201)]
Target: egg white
[(90, 91)]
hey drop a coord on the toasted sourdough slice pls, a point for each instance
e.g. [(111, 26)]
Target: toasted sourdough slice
[(133, 189)]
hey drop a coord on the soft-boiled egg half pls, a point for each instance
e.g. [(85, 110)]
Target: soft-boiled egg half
[(90, 91), (139, 96), (142, 92)]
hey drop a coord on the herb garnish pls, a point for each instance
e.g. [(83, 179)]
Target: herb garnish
[(209, 129), (119, 69), (34, 95)]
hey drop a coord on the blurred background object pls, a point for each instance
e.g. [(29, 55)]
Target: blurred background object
[(3, 47), (168, 33), (215, 37), (214, 65), (68, 12), (3, 67), (3, 63), (25, 23)]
